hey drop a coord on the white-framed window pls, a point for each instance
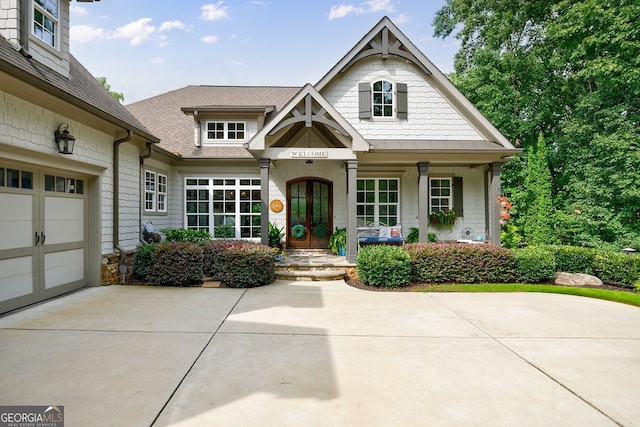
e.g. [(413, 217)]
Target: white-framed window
[(226, 131), (378, 201), (440, 194), (226, 207), (382, 98), (45, 21), (155, 192)]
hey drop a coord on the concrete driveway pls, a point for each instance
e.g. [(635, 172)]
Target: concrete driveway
[(323, 354)]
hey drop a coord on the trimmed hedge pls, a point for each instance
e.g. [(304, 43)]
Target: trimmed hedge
[(186, 235), (575, 259), (144, 259), (240, 264), (618, 269), (461, 263), (535, 264), (175, 264), (384, 266)]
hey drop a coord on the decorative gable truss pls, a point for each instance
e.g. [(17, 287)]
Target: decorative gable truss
[(307, 112)]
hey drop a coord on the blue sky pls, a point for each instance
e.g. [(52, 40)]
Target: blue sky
[(147, 47)]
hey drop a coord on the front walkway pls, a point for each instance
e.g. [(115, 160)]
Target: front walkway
[(323, 353)]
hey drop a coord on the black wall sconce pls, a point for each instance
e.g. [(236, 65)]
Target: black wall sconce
[(64, 139)]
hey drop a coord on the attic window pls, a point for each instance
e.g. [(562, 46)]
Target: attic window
[(226, 131), (45, 21), (382, 98)]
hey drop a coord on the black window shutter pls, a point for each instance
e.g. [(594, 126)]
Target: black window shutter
[(402, 102), (458, 205), (364, 91)]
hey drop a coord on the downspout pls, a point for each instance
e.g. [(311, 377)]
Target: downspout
[(122, 267), (142, 183), (23, 46)]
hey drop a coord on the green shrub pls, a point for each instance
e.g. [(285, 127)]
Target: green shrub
[(384, 266), (574, 259), (144, 259), (186, 235), (535, 264), (175, 264), (240, 264), (461, 263), (617, 268), (414, 236)]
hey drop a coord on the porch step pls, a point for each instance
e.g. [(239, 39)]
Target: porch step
[(312, 265)]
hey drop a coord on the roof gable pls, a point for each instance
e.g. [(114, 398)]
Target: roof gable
[(306, 109), (385, 40)]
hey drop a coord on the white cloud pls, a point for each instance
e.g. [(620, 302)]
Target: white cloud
[(157, 60), (79, 10), (85, 33), (174, 25), (210, 39), (371, 6), (137, 31), (343, 10), (379, 5), (214, 12), (403, 18), (236, 63)]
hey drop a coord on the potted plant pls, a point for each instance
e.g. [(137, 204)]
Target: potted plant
[(414, 236), (443, 219), (275, 235), (338, 241)]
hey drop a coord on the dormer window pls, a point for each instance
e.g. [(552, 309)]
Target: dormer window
[(45, 21), (226, 131), (382, 98)]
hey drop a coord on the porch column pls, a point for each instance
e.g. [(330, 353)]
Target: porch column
[(264, 201), (352, 219), (494, 207), (423, 201)]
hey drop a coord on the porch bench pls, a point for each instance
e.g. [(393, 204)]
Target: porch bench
[(380, 234)]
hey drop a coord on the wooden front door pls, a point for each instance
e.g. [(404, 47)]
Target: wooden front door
[(309, 213)]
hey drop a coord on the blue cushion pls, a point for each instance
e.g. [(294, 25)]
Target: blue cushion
[(380, 239)]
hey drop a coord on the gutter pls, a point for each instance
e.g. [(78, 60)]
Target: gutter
[(122, 267)]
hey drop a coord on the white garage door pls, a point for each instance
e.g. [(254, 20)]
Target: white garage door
[(43, 234)]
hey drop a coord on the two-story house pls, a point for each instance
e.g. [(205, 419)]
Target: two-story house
[(383, 137)]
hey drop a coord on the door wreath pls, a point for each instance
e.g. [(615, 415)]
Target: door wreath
[(320, 231), (298, 231)]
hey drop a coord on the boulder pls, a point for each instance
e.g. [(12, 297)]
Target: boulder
[(576, 279)]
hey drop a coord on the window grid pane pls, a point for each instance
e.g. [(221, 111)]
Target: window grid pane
[(440, 194), (377, 200), (382, 99), (235, 204)]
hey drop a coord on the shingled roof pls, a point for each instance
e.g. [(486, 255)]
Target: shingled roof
[(164, 116), (80, 89)]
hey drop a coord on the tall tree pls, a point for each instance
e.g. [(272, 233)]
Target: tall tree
[(540, 213), (117, 95), (598, 153), (571, 69)]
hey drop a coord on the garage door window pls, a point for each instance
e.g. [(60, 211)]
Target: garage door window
[(63, 184), (15, 178)]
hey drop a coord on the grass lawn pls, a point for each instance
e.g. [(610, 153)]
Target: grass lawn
[(617, 296)]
